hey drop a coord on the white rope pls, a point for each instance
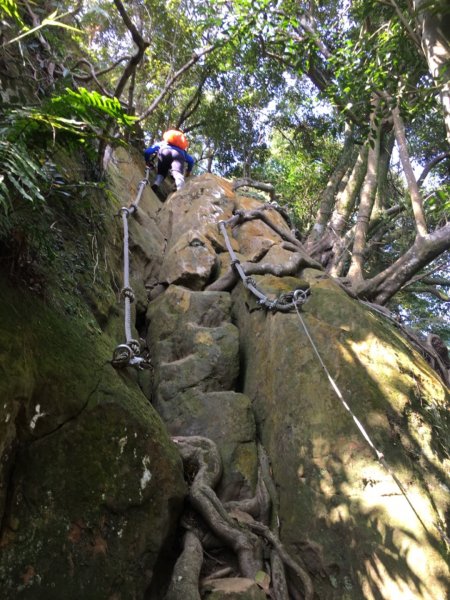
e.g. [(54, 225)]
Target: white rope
[(126, 275), (127, 354)]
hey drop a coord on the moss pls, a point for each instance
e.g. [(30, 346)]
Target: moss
[(96, 484)]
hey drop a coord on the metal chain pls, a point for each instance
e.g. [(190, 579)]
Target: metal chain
[(285, 302), (127, 354)]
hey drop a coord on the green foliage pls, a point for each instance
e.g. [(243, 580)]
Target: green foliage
[(91, 107), (423, 312), (300, 172), (10, 8), (20, 174), (437, 205)]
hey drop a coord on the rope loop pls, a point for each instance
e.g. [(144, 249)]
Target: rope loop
[(121, 356), (300, 296), (135, 346), (127, 292), (127, 355), (235, 261)]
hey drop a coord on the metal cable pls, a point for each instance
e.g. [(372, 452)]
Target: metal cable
[(277, 304), (379, 455)]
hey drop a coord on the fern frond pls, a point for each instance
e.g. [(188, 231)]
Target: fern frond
[(20, 175)]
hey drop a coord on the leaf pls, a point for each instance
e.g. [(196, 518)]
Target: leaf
[(263, 580), (51, 20), (10, 8)]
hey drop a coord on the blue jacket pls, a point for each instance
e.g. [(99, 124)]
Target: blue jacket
[(155, 148)]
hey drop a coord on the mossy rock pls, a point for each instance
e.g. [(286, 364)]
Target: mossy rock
[(93, 485), (331, 486)]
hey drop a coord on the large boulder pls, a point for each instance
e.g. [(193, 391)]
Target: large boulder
[(379, 539), (91, 484), (365, 527)]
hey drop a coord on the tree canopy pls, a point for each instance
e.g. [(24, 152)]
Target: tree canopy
[(342, 105)]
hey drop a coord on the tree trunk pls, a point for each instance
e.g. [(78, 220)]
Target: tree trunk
[(327, 202), (386, 147), (346, 200), (435, 30), (413, 188), (368, 192), (383, 286)]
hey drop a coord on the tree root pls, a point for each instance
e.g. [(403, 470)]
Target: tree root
[(231, 277), (185, 577), (202, 497), (285, 558), (235, 524)]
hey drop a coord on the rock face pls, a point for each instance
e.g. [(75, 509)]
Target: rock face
[(332, 489), (92, 486)]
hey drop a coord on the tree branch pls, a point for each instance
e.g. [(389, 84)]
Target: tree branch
[(94, 75), (136, 58), (412, 34), (427, 289), (192, 103), (433, 162), (413, 188), (383, 286), (192, 61), (259, 185)]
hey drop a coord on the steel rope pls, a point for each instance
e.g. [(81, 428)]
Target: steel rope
[(249, 282), (379, 455), (299, 297)]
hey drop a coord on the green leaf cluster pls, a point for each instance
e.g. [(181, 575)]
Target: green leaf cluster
[(10, 9), (91, 107), (20, 174)]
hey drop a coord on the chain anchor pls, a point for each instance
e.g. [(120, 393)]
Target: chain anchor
[(130, 355)]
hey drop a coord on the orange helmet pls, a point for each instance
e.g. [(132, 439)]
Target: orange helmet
[(176, 138)]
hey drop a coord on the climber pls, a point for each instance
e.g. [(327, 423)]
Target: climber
[(172, 156)]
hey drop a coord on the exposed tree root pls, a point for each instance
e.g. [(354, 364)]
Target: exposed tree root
[(231, 277), (185, 577), (203, 453), (257, 185), (285, 558), (242, 216), (241, 525)]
